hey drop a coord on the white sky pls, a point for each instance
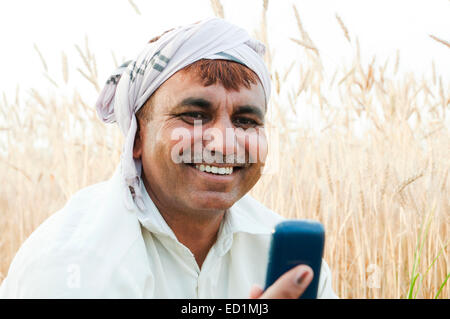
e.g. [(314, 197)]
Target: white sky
[(382, 26)]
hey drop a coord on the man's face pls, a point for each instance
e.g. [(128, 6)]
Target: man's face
[(190, 119)]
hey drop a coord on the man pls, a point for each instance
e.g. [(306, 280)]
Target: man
[(175, 220)]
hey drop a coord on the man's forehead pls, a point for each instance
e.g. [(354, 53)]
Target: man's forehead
[(188, 85)]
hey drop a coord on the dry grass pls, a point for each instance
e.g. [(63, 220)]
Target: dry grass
[(382, 197)]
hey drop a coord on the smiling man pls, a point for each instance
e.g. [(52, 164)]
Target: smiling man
[(193, 195), (175, 220)]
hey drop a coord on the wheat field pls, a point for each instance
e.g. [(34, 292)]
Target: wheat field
[(382, 195)]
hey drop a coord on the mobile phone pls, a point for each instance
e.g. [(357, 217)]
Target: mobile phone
[(296, 242)]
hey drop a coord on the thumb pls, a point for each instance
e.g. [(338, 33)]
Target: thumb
[(291, 284), (256, 292)]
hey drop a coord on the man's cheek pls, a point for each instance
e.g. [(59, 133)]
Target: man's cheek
[(255, 144), (262, 148), (180, 144)]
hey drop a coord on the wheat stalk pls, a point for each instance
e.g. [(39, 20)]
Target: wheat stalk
[(89, 62), (304, 34), (65, 67), (305, 45), (41, 57), (446, 43), (343, 27), (134, 6), (217, 8), (408, 181)]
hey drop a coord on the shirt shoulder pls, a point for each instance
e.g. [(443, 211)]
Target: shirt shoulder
[(63, 257)]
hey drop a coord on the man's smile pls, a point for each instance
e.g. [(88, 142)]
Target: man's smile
[(215, 169), (218, 173)]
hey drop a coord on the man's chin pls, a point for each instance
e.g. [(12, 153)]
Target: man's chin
[(212, 201)]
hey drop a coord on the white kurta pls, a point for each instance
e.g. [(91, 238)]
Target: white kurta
[(95, 247)]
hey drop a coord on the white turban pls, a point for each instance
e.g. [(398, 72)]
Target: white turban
[(127, 90)]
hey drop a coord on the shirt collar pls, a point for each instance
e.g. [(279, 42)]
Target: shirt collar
[(243, 217)]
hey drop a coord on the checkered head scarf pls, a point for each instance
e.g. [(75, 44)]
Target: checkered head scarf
[(130, 86)]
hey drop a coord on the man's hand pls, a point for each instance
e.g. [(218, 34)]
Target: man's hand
[(290, 285)]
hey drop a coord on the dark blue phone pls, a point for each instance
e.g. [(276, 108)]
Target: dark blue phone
[(296, 242)]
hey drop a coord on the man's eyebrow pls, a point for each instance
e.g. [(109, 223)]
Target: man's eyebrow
[(195, 101), (250, 109)]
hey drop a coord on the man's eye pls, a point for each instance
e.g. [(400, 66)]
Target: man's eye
[(243, 121), (191, 116)]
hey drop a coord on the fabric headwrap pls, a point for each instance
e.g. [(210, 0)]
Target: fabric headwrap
[(129, 87)]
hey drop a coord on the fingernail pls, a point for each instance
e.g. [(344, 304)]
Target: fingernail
[(301, 277)]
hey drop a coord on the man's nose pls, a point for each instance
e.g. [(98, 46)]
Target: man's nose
[(220, 137)]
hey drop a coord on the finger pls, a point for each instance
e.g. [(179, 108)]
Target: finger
[(290, 285), (256, 292)]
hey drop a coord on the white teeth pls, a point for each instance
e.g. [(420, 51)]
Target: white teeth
[(215, 169)]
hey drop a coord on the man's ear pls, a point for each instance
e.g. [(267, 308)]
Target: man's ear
[(137, 147)]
